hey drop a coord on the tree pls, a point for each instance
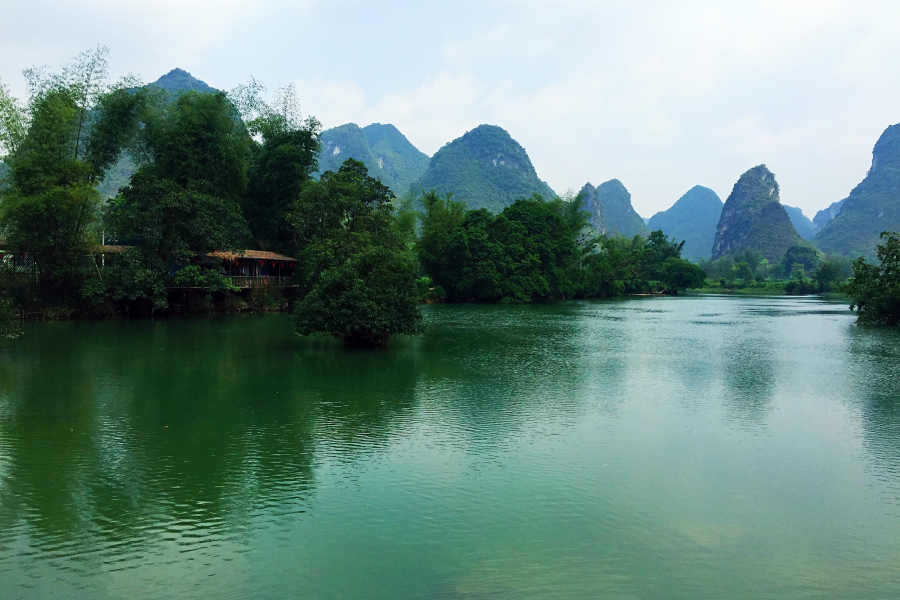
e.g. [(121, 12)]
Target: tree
[(58, 152), (184, 200), (653, 254), (13, 122), (680, 274), (828, 275), (441, 218), (279, 168), (357, 278), (280, 163), (528, 252), (807, 256), (743, 272), (874, 290)]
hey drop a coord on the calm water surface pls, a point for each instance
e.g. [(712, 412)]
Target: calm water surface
[(696, 447)]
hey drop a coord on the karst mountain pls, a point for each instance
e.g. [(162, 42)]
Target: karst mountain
[(385, 151), (485, 168), (753, 218), (693, 219), (872, 207), (611, 210)]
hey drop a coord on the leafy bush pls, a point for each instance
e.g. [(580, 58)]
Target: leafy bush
[(267, 297), (874, 290)]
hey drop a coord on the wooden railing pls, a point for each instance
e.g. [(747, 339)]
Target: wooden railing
[(25, 273), (244, 281)]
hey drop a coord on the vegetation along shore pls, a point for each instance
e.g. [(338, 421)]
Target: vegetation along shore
[(167, 198)]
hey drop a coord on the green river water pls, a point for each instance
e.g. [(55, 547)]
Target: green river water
[(694, 447)]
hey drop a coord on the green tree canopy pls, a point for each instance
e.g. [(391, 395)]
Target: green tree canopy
[(59, 147), (875, 289), (357, 279), (441, 216), (184, 200), (279, 167), (807, 256), (280, 163)]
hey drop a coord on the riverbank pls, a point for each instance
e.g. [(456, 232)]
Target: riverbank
[(768, 288)]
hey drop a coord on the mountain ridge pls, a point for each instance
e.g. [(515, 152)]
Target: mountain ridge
[(485, 168), (753, 218), (386, 152), (873, 205), (693, 218), (801, 222), (619, 215)]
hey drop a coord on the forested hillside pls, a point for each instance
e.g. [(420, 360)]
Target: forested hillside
[(485, 168), (386, 152), (872, 207), (693, 218), (827, 214), (619, 216), (754, 219), (801, 222)]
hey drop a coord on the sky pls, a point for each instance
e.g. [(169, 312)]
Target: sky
[(660, 95)]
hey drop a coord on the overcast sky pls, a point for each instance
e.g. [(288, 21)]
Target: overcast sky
[(661, 95)]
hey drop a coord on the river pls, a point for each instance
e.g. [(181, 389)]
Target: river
[(690, 447)]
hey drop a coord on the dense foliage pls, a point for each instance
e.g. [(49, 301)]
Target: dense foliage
[(803, 270), (875, 288), (279, 168), (693, 218), (485, 168), (59, 147), (872, 207), (537, 250), (358, 282), (184, 200)]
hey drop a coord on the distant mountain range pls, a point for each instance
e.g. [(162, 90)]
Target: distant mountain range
[(826, 214), (611, 212), (179, 80), (485, 168), (693, 218), (754, 219), (801, 222), (872, 207), (385, 151)]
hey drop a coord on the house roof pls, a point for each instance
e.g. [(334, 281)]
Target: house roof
[(249, 254), (252, 254)]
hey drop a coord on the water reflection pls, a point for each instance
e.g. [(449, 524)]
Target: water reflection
[(142, 430), (749, 370), (508, 452), (874, 375)]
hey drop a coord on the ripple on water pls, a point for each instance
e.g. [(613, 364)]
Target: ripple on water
[(689, 447)]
